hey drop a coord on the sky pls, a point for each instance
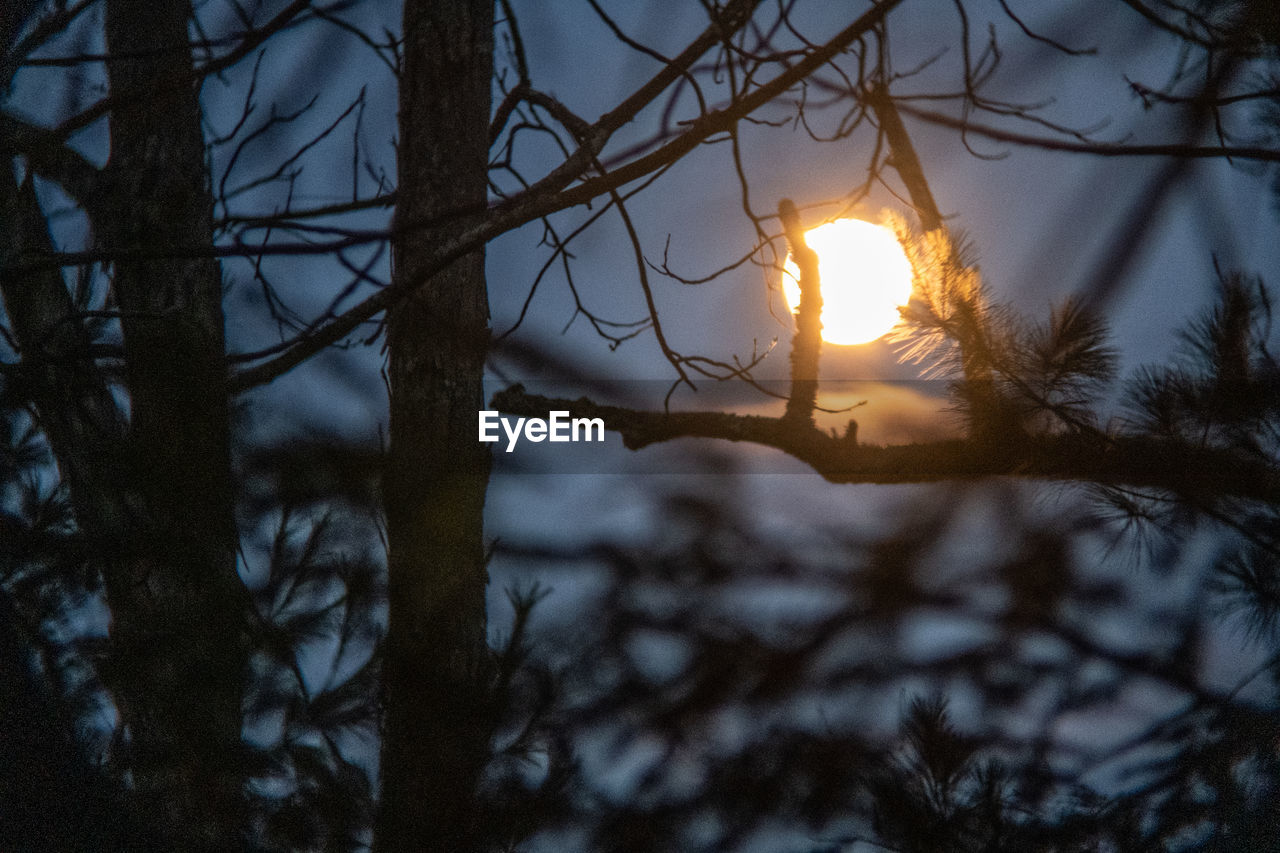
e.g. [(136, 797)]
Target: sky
[(1044, 227), (1042, 224)]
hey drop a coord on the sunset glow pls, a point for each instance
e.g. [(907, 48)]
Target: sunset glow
[(865, 278)]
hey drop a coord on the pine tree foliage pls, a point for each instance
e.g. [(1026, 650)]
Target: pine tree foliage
[(754, 726), (310, 706), (1226, 388), (1009, 375)]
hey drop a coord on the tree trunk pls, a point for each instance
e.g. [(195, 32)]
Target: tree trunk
[(73, 402), (806, 347), (436, 730), (180, 612)]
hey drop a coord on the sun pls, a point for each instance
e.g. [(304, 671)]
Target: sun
[(865, 278)]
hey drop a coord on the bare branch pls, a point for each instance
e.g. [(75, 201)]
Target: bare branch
[(903, 157), (1186, 470), (1097, 149), (51, 158), (549, 195)]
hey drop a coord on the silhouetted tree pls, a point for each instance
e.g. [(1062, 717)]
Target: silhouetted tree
[(201, 628)]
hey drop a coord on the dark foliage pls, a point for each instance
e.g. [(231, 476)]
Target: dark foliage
[(1012, 664)]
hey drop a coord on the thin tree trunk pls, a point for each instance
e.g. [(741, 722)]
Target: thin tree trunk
[(180, 612), (988, 421), (435, 738), (75, 407), (806, 347)]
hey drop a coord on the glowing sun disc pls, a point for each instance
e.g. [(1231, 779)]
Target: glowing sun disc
[(865, 278)]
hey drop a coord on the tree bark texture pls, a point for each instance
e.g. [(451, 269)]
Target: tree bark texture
[(435, 723), (180, 611)]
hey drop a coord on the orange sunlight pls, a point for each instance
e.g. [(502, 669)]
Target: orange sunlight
[(865, 278)]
